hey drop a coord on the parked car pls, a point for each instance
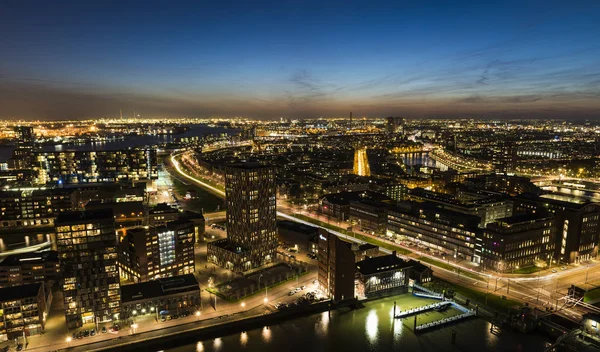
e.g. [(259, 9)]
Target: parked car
[(93, 332), (104, 329), (292, 292), (20, 347), (86, 333)]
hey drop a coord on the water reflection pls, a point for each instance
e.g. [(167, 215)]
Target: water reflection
[(217, 344), (396, 325), (372, 327), (243, 338), (266, 334), (322, 325), (199, 347)]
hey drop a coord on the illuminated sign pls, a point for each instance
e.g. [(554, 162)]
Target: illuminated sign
[(323, 237)]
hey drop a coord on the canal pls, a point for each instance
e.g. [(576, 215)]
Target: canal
[(370, 328)]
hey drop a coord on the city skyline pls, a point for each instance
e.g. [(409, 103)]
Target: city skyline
[(300, 60)]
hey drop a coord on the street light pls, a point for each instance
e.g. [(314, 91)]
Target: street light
[(69, 340), (243, 304), (198, 314)]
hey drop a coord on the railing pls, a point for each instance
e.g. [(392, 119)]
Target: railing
[(418, 310), (444, 321)]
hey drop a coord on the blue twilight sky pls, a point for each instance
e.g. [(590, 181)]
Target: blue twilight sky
[(268, 59)]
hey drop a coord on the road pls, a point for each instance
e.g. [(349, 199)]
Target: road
[(546, 289)]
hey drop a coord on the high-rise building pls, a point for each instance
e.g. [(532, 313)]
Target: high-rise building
[(251, 218), (23, 155), (504, 158), (336, 267), (394, 124), (153, 253), (87, 252), (25, 137)]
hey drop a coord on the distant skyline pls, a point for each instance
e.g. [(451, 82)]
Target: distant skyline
[(300, 59)]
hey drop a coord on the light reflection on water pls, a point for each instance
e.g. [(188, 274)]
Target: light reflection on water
[(371, 328), (322, 325), (217, 344), (266, 334)]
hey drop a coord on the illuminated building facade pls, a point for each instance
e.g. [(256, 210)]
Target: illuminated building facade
[(577, 225), (28, 268), (336, 267), (136, 164), (34, 208), (23, 311), (158, 252), (87, 251), (382, 275), (251, 218), (439, 229), (518, 241)]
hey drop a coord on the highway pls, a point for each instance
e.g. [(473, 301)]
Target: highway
[(546, 289)]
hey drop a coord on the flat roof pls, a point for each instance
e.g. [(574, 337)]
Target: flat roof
[(298, 227), (384, 263), (83, 216), (520, 218), (159, 288), (19, 292), (32, 257)]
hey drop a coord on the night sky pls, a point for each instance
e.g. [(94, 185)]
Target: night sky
[(266, 59)]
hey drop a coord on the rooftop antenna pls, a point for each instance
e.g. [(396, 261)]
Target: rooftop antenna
[(134, 114), (121, 113), (350, 119)]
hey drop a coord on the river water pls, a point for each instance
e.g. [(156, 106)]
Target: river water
[(130, 141), (371, 328)]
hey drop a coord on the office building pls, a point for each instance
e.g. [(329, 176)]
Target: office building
[(28, 268), (440, 230), (518, 241), (87, 251), (382, 276), (157, 252), (488, 206), (576, 224), (336, 267), (23, 311), (369, 215), (250, 191)]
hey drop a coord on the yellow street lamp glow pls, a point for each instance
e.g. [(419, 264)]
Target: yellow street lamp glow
[(243, 304), (265, 300), (68, 339), (197, 313)]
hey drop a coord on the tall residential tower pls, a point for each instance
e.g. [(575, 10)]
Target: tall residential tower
[(251, 218), (87, 252)]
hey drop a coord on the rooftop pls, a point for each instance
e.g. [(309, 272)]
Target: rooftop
[(84, 216), (159, 288), (19, 292), (522, 218), (31, 257), (384, 263), (298, 227)]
